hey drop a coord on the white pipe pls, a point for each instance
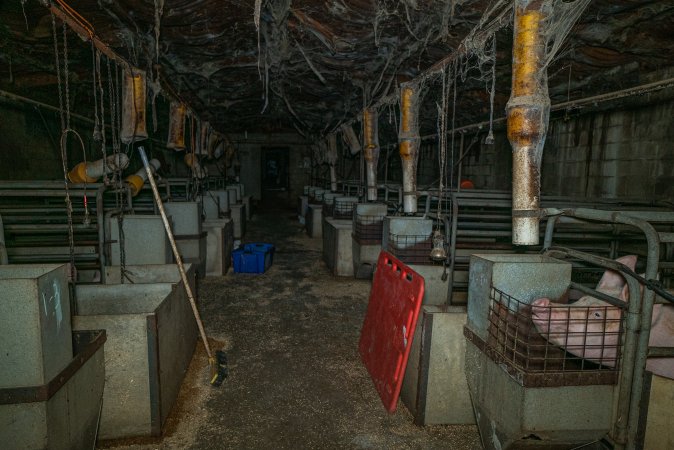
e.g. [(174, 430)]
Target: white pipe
[(408, 137), (115, 162), (351, 139), (137, 180), (89, 172)]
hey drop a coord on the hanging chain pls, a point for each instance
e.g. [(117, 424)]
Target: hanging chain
[(453, 81), (442, 153), (63, 141), (104, 149), (113, 106), (490, 136), (118, 108), (66, 72), (94, 72), (58, 70)]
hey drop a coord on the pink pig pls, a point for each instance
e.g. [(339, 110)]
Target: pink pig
[(589, 328)]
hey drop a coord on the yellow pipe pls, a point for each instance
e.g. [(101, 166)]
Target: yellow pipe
[(371, 132), (135, 184), (528, 113), (133, 106), (137, 180), (527, 52), (176, 138), (78, 174), (409, 145), (89, 172)]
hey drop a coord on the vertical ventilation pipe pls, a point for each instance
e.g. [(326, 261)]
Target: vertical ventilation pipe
[(176, 137), (351, 139), (204, 135), (371, 144), (137, 180), (528, 112), (90, 172), (133, 106), (331, 157), (408, 138)]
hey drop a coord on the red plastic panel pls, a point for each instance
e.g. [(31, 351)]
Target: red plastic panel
[(386, 338)]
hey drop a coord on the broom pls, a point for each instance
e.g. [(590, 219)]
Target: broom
[(217, 362)]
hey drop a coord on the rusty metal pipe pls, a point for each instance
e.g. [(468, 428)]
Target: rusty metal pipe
[(371, 138), (176, 136), (408, 138), (528, 112)]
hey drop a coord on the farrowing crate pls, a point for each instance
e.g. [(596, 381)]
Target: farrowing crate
[(584, 357), (411, 249), (343, 208), (368, 229)]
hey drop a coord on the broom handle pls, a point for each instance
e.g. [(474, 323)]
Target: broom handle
[(176, 253)]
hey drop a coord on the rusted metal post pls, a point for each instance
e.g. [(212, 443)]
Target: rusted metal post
[(528, 112), (408, 138), (370, 126)]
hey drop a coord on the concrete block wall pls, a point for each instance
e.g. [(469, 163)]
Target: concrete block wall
[(28, 152), (615, 153), (488, 166)]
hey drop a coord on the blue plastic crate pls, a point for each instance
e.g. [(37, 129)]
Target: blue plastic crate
[(248, 262), (262, 247)]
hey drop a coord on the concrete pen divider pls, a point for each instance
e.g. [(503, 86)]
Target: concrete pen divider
[(151, 339)]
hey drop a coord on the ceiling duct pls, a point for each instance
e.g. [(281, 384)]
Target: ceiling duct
[(176, 137), (371, 145), (134, 95), (350, 138)]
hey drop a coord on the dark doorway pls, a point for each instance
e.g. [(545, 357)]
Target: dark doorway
[(275, 179)]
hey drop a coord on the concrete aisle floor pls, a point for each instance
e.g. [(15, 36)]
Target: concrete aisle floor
[(296, 380)]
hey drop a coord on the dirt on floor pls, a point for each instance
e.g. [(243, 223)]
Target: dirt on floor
[(295, 376)]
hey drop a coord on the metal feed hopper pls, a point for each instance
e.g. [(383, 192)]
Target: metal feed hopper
[(525, 391)]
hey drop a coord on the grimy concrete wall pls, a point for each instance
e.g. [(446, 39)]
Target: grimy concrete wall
[(250, 149), (27, 150), (622, 153)]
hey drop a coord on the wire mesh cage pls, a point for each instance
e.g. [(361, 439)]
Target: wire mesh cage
[(343, 209), (328, 207), (318, 196), (411, 249), (547, 343), (368, 229)]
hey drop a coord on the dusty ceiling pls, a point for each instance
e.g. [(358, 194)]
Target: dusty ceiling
[(314, 64)]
